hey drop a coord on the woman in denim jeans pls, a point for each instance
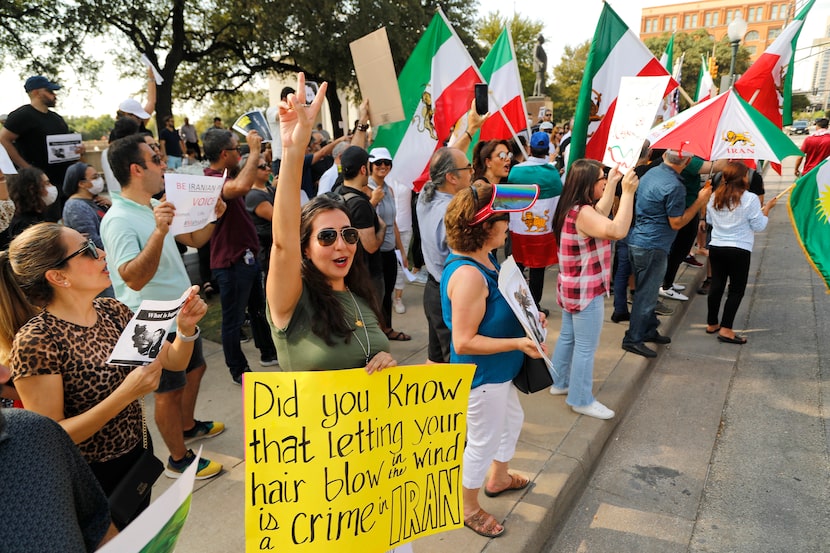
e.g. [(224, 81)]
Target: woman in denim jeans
[(584, 233)]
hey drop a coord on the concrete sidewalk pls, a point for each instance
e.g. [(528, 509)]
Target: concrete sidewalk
[(557, 448)]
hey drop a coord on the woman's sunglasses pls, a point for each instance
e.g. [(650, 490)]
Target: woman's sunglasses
[(505, 156), (328, 236), (89, 249)]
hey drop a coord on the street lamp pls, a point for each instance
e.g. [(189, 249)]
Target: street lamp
[(736, 31)]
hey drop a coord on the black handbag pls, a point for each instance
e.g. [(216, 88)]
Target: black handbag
[(134, 488), (534, 376)]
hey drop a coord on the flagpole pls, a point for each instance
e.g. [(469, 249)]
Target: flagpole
[(790, 187)]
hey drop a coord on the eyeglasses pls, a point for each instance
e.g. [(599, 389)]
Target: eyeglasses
[(238, 149), (384, 162), (328, 236), (469, 168), (505, 156), (89, 248), (156, 159), (506, 198), (263, 166)]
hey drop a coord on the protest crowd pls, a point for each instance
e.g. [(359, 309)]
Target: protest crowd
[(311, 250)]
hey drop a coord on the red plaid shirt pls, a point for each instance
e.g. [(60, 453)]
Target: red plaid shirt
[(584, 266)]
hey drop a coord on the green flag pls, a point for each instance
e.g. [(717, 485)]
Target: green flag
[(809, 208)]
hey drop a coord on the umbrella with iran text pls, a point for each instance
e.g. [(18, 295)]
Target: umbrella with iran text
[(725, 127)]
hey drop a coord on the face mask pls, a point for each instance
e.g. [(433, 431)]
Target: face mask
[(97, 186), (51, 195)]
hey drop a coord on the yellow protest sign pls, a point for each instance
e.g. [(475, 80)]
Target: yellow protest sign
[(346, 461)]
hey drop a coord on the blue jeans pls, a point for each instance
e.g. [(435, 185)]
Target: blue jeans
[(235, 284), (621, 278), (573, 356), (649, 267)]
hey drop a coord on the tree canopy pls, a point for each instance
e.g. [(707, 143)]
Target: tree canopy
[(202, 47), (524, 32), (567, 80)]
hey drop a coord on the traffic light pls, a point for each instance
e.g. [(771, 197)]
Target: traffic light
[(713, 67)]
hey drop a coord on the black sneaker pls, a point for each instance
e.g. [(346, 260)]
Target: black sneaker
[(237, 378), (619, 317), (243, 336)]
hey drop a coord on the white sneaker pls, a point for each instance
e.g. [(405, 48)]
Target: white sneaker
[(400, 308), (677, 286), (596, 410), (554, 391), (671, 293)]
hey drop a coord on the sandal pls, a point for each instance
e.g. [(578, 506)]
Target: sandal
[(483, 524), (712, 331), (397, 336), (516, 483), (740, 340)]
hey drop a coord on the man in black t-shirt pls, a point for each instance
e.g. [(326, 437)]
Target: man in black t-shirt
[(26, 130), (354, 163)]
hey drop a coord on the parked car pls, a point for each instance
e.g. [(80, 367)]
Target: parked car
[(799, 127)]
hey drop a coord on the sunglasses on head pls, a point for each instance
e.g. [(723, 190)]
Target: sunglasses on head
[(506, 198), (89, 248), (328, 236)]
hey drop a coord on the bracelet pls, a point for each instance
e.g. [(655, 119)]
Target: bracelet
[(364, 127), (193, 338), (469, 135)]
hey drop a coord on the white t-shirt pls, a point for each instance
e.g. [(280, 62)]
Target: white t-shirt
[(403, 205)]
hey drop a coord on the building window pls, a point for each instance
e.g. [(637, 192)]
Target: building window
[(751, 36), (694, 21), (784, 11), (687, 21), (751, 50), (773, 34), (774, 14), (674, 23), (715, 19), (707, 19)]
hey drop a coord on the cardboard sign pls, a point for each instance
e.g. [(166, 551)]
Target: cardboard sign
[(348, 461), (376, 77)]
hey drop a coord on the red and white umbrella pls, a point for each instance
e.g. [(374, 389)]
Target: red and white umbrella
[(724, 127)]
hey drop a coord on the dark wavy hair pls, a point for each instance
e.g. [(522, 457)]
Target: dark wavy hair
[(482, 152), (732, 186), (26, 191), (329, 319), (578, 190)]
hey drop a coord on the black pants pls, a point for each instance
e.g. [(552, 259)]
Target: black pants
[(535, 281), (679, 250), (727, 263), (438, 348), (390, 273)]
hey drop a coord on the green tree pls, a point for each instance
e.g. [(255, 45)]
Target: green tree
[(524, 31), (800, 102), (91, 128), (695, 45), (567, 79), (229, 106), (203, 47)]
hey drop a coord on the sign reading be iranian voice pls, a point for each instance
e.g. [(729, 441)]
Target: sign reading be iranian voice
[(346, 461), (195, 199)]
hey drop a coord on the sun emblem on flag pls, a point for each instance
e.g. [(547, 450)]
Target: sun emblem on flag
[(823, 207)]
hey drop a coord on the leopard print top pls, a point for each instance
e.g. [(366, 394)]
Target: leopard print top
[(49, 345)]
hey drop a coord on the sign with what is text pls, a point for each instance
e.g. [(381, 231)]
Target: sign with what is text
[(347, 461)]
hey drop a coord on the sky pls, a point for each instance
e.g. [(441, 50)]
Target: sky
[(562, 27)]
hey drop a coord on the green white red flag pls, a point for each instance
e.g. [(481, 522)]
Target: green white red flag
[(809, 208), (768, 83), (508, 113), (615, 52), (436, 87), (705, 84)]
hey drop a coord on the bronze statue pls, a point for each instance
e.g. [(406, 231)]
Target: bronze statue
[(540, 66)]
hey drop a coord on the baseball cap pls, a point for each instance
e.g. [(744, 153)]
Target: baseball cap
[(39, 81), (133, 108), (353, 158), (540, 140), (545, 125), (378, 154)]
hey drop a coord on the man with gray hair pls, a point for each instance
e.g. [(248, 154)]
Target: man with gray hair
[(659, 213), (449, 173)]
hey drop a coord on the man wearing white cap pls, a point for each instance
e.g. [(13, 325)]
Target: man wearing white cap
[(25, 132), (133, 109)]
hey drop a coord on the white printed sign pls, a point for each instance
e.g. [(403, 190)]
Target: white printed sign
[(195, 198)]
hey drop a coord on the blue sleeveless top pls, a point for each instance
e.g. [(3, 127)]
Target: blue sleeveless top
[(498, 322)]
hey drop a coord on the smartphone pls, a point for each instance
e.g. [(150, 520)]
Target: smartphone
[(482, 102)]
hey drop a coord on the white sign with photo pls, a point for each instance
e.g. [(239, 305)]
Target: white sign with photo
[(195, 198), (6, 165), (144, 335), (515, 290), (61, 148)]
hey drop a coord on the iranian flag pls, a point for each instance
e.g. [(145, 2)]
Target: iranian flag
[(436, 87), (507, 103), (809, 208), (665, 111), (768, 83), (705, 84), (615, 52)]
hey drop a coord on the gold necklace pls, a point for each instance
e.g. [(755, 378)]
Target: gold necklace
[(359, 323)]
